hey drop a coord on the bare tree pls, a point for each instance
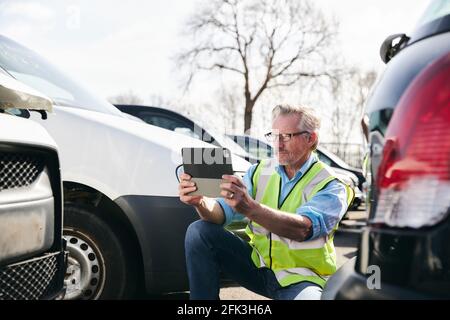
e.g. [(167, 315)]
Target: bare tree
[(129, 97), (350, 92), (365, 81), (264, 43), (229, 101)]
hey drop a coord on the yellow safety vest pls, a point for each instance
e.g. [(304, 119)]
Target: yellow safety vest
[(292, 261)]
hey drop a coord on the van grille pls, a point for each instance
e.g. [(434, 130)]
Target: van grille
[(19, 170), (28, 280)]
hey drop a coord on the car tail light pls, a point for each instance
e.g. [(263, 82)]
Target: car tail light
[(413, 179)]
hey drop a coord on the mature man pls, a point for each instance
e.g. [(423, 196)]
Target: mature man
[(293, 204)]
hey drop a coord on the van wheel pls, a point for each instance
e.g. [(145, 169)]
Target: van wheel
[(98, 266)]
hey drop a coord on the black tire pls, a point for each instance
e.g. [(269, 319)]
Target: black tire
[(99, 266), (355, 205)]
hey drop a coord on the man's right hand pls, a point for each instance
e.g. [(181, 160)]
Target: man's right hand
[(187, 186)]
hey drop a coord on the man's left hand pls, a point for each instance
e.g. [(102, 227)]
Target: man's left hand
[(236, 196)]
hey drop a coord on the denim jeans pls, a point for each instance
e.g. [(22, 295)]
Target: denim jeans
[(211, 249)]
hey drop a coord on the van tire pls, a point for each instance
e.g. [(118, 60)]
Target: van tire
[(98, 265)]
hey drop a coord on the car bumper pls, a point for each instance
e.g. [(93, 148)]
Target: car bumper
[(38, 278), (347, 284), (395, 264)]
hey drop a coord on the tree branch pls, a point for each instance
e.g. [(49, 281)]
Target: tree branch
[(220, 66), (297, 77)]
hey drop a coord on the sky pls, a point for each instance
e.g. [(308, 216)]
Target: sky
[(115, 46)]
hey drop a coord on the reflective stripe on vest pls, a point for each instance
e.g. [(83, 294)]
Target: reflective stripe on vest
[(313, 244), (292, 261)]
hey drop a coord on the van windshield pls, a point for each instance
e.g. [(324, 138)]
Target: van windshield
[(31, 69)]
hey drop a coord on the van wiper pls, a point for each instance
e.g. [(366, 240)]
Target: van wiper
[(25, 113), (388, 50), (43, 113)]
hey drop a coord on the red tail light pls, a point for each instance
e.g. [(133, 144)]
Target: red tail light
[(414, 175)]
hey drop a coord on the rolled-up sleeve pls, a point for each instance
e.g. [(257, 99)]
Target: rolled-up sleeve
[(230, 214), (325, 209)]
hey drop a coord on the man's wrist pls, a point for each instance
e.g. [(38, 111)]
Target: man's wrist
[(200, 205), (254, 210)]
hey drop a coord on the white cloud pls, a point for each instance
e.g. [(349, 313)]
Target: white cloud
[(32, 11), (365, 24), (22, 20)]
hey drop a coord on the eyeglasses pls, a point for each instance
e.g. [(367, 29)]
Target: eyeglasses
[(284, 136)]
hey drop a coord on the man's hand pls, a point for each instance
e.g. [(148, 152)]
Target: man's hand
[(236, 196), (284, 224), (187, 186)]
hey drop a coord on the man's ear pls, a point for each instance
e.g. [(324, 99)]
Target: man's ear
[(312, 138)]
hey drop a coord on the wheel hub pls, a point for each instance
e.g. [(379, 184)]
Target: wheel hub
[(85, 275)]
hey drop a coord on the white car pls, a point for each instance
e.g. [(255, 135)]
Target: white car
[(124, 223), (32, 258)]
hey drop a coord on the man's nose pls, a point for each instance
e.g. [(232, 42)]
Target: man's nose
[(278, 143)]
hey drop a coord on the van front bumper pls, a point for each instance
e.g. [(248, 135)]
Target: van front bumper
[(39, 278)]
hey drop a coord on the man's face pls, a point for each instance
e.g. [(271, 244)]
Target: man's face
[(298, 147)]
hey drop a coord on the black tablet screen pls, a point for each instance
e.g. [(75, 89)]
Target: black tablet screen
[(209, 163)]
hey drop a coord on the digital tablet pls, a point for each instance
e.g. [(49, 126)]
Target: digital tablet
[(206, 167)]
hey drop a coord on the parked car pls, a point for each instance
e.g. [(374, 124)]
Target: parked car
[(254, 146), (124, 223), (408, 230), (352, 176), (175, 121), (32, 256)]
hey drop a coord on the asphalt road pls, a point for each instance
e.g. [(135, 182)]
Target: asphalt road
[(346, 241)]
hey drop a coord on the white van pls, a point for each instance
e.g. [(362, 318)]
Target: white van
[(32, 257), (124, 223)]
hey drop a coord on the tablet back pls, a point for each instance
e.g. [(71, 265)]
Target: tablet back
[(206, 167)]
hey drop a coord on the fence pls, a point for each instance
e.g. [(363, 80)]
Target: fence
[(350, 153)]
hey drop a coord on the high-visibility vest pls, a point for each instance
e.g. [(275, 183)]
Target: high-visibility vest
[(292, 261)]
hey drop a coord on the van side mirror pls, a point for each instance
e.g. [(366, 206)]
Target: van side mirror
[(388, 49)]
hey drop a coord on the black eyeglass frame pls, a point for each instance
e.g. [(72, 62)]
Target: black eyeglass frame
[(285, 136)]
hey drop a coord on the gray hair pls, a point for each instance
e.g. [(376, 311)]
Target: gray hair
[(309, 120)]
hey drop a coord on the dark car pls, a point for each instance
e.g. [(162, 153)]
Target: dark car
[(257, 148), (404, 252), (175, 121)]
